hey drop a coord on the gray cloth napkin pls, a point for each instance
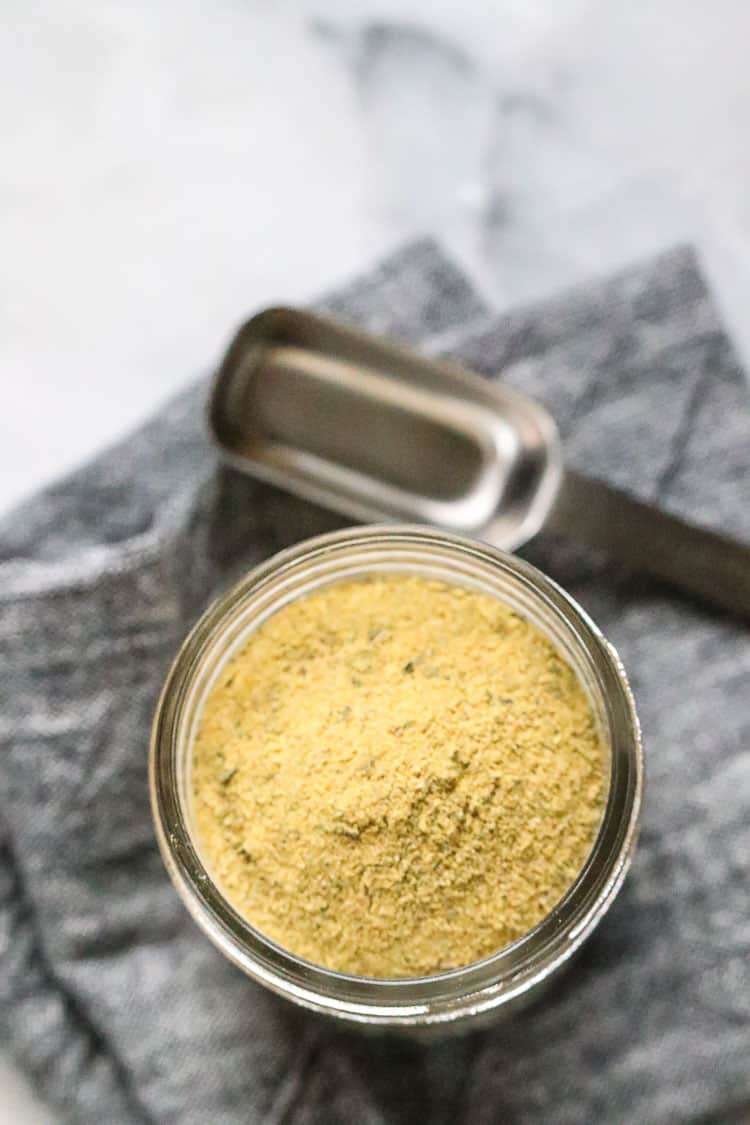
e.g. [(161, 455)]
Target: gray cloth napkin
[(110, 997)]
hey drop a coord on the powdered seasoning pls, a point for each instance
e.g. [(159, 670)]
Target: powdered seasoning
[(397, 776)]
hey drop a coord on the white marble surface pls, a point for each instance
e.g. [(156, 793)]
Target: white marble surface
[(166, 168)]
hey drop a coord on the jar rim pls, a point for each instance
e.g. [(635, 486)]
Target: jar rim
[(473, 989)]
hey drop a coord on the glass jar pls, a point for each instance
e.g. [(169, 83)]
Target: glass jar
[(465, 995)]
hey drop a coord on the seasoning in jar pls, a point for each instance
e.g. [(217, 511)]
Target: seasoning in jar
[(396, 776)]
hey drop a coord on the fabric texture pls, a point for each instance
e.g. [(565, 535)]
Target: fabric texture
[(111, 998)]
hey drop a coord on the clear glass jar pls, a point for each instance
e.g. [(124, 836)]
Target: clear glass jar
[(465, 995)]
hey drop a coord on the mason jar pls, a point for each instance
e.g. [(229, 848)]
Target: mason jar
[(463, 996)]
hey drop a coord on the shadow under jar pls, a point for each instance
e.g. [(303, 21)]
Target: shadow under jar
[(462, 996)]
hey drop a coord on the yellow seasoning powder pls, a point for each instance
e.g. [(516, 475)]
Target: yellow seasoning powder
[(396, 776)]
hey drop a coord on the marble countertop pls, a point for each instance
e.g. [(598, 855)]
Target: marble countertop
[(170, 167)]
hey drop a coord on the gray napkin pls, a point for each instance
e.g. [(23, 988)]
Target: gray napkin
[(112, 1000)]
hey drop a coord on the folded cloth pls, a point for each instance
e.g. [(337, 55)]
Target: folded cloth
[(111, 998)]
